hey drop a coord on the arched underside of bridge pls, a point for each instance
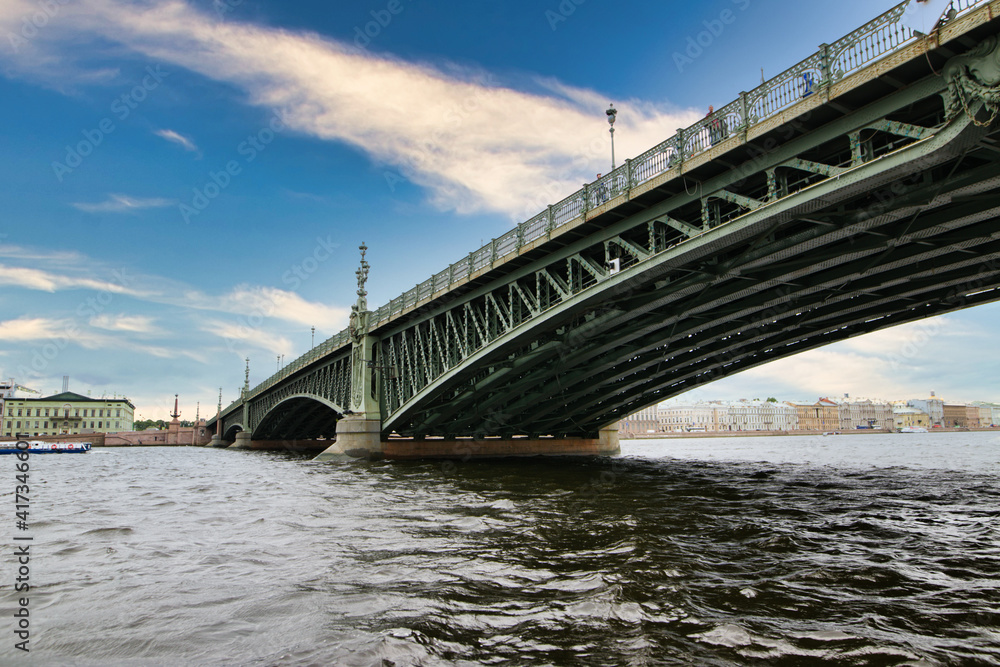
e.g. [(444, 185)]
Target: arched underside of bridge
[(909, 233), (230, 434), (298, 417)]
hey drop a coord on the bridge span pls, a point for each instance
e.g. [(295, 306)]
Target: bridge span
[(855, 191)]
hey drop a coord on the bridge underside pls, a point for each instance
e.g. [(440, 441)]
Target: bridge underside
[(297, 418), (868, 203), (878, 246)]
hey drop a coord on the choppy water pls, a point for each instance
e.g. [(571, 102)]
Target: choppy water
[(848, 550)]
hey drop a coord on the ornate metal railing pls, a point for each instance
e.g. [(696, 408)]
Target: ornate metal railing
[(871, 42)]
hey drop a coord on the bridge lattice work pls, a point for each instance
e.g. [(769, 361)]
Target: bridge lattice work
[(855, 191)]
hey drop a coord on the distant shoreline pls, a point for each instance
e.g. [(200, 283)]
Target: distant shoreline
[(745, 434)]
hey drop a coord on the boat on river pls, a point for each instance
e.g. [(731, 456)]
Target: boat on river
[(913, 429), (39, 447)]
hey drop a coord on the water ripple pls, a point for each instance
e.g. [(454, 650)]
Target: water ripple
[(193, 556)]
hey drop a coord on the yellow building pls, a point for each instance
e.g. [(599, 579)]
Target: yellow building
[(823, 415), (66, 414), (905, 417)]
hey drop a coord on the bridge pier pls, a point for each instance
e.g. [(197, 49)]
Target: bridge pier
[(357, 437), (605, 444), (242, 441), (217, 442)]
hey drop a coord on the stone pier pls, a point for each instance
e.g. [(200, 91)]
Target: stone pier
[(242, 441), (360, 439), (357, 437)]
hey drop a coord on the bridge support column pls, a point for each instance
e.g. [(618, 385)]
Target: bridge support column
[(357, 437), (359, 433), (217, 441), (607, 439), (605, 444), (242, 441)]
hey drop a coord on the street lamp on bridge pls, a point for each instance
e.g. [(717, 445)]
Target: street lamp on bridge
[(612, 112)]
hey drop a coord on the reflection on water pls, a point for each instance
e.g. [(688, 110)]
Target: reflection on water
[(859, 550)]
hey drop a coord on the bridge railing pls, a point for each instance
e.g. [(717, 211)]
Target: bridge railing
[(871, 42), (862, 47)]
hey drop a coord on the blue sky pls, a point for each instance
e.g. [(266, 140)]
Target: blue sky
[(185, 183)]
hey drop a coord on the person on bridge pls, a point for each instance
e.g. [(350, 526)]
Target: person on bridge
[(602, 191), (716, 126)]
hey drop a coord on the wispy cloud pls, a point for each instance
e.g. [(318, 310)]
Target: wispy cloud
[(473, 142), (46, 281), (179, 139), (28, 329), (130, 323), (238, 336), (116, 203), (244, 301), (284, 305)]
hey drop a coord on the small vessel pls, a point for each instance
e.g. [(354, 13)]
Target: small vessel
[(39, 447), (913, 429)]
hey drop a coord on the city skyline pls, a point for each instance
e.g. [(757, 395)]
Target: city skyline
[(187, 182)]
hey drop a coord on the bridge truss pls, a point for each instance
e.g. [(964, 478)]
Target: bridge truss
[(865, 202)]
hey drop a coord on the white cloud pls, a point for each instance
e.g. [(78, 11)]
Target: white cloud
[(130, 323), (180, 139), (47, 281), (289, 306), (475, 144), (32, 328), (240, 336), (248, 302), (117, 203)]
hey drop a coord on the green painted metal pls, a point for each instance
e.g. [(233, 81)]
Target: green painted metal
[(418, 373), (758, 225)]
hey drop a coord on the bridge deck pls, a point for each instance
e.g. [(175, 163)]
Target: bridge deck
[(778, 118)]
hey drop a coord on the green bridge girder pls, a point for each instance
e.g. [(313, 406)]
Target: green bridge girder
[(868, 206)]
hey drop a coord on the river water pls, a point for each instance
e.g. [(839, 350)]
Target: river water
[(839, 550)]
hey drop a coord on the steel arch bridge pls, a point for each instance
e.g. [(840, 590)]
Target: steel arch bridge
[(856, 191)]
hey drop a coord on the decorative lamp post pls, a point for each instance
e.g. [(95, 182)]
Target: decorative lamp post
[(312, 342), (612, 112)]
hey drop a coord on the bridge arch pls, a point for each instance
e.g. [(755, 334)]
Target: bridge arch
[(230, 433), (786, 275), (299, 417)]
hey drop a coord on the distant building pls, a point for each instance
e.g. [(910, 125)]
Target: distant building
[(933, 407), (972, 416), (9, 390), (955, 416), (66, 413), (863, 413), (640, 423), (989, 413), (823, 415), (694, 417), (762, 416), (904, 417)]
